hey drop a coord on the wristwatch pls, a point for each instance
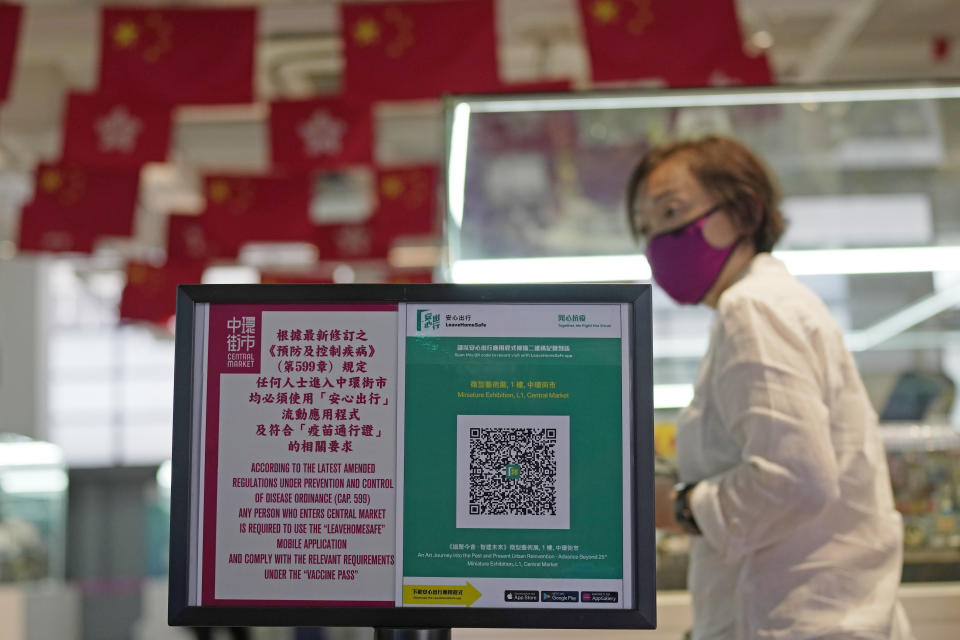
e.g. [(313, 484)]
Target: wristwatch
[(681, 508)]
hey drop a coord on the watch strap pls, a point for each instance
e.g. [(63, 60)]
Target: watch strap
[(681, 508)]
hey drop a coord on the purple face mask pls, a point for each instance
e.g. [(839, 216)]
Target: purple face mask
[(684, 263)]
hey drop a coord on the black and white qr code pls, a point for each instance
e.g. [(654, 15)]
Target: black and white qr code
[(513, 471)]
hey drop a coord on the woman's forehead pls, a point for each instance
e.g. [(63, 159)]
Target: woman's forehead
[(671, 175), (669, 179)]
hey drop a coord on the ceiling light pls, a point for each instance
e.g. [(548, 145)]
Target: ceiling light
[(633, 268), (628, 268), (676, 98), (864, 261), (457, 166)]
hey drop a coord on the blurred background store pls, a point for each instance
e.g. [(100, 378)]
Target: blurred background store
[(311, 161)]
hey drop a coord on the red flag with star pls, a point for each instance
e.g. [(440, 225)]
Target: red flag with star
[(9, 33), (733, 69), (94, 201), (180, 56), (257, 208), (150, 293), (52, 230), (400, 50), (684, 42), (406, 206), (407, 202), (189, 240), (320, 134), (349, 241), (102, 131)]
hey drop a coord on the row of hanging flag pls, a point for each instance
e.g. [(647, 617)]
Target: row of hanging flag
[(73, 206), (155, 59), (404, 50)]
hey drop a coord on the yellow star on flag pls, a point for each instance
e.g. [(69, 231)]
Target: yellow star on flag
[(605, 11), (392, 187), (51, 180), (366, 31), (219, 190), (125, 34), (137, 274)]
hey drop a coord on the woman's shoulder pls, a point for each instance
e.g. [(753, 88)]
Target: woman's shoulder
[(767, 294)]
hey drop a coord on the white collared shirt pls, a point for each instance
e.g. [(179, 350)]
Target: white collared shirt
[(800, 535)]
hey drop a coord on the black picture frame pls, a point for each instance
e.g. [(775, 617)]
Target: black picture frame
[(642, 613)]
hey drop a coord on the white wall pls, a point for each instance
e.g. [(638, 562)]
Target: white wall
[(24, 331)]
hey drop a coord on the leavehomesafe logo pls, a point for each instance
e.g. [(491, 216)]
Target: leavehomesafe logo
[(428, 320)]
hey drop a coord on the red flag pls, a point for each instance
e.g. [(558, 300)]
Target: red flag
[(685, 42), (186, 55), (733, 68), (273, 208), (9, 32), (45, 229), (150, 293), (189, 240), (407, 202), (398, 50), (95, 201), (407, 206), (320, 134), (101, 131), (350, 241)]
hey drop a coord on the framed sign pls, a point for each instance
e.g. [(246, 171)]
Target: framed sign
[(415, 456)]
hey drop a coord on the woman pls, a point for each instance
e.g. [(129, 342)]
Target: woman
[(784, 482)]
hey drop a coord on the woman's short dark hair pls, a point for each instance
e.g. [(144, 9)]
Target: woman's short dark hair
[(729, 172)]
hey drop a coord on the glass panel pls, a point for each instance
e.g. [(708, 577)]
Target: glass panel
[(536, 193), (871, 181)]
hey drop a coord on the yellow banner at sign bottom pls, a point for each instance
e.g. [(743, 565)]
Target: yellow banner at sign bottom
[(462, 595)]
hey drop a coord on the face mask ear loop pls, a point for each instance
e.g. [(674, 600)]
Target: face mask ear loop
[(723, 265)]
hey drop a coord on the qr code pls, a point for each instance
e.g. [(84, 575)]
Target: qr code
[(513, 472)]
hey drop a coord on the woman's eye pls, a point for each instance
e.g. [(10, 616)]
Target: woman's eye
[(669, 213)]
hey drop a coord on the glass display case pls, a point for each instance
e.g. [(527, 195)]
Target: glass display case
[(33, 498), (870, 177), (871, 182), (924, 464)]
